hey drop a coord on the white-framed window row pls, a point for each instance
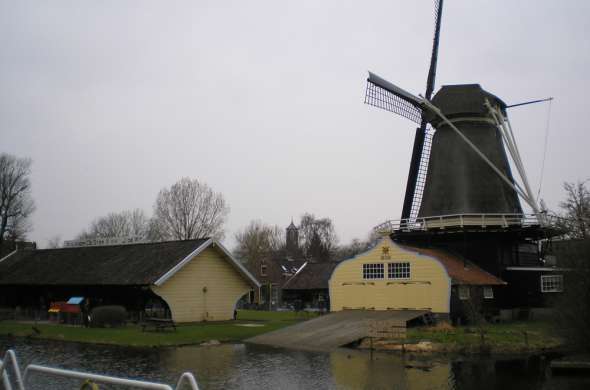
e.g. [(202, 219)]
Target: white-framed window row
[(551, 283), (395, 270), (464, 293), (373, 271), (488, 292)]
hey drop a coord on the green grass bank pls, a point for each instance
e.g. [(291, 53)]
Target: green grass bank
[(507, 338), (249, 323)]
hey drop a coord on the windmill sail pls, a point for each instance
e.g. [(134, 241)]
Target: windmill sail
[(423, 138), (382, 94)]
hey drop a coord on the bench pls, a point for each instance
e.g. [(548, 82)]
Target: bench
[(159, 324)]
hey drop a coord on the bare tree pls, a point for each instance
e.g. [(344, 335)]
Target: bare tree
[(187, 210), (576, 217), (318, 237), (124, 224), (357, 246), (16, 203), (258, 240)]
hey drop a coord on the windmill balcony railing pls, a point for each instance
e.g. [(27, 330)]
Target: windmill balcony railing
[(439, 222)]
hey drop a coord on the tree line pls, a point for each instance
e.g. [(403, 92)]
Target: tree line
[(317, 241), (190, 209)]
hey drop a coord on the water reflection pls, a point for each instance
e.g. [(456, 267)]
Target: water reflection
[(239, 366), (356, 370)]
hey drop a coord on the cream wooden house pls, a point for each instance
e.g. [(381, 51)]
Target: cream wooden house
[(391, 276), (206, 285)]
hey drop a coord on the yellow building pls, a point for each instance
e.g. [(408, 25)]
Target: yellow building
[(205, 286), (391, 276)]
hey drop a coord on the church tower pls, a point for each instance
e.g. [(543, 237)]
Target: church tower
[(292, 239)]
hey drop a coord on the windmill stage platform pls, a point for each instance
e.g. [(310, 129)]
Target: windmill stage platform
[(525, 225)]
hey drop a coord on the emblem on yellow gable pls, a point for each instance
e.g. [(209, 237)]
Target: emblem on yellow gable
[(385, 253)]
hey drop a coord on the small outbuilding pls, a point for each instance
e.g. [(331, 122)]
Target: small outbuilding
[(192, 280), (391, 276)]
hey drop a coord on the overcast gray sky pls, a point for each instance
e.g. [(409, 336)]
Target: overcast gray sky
[(263, 100)]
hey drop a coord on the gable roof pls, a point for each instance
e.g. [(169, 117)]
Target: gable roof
[(278, 269), (311, 276), (133, 264), (461, 271)]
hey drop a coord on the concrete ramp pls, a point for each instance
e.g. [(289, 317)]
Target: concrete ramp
[(333, 330)]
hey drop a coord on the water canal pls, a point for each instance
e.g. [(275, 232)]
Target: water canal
[(243, 366)]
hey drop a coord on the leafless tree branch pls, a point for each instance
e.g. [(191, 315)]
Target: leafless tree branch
[(124, 224), (16, 203), (188, 210)]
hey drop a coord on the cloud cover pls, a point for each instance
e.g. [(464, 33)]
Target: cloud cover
[(263, 100)]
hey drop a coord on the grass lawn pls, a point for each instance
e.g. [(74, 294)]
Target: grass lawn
[(499, 338), (185, 334)]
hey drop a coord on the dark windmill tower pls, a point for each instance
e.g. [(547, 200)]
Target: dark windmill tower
[(461, 195)]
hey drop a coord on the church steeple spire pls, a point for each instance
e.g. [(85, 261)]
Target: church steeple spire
[(292, 239)]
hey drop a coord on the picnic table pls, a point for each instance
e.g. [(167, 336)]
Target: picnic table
[(159, 324)]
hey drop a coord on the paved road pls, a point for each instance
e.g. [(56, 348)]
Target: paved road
[(333, 330)]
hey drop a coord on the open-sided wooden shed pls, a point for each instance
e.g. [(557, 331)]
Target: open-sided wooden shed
[(199, 280)]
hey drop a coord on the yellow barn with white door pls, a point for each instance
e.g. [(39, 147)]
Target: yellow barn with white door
[(390, 277)]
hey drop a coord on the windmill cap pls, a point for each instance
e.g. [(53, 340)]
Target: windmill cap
[(463, 99)]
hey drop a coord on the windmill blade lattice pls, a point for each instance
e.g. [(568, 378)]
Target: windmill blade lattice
[(386, 99), (422, 173)]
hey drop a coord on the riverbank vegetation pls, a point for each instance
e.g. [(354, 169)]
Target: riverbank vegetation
[(506, 338), (249, 323), (509, 338)]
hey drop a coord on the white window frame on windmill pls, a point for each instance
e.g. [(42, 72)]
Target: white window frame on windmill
[(551, 283)]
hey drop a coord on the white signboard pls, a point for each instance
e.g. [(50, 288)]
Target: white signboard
[(104, 241)]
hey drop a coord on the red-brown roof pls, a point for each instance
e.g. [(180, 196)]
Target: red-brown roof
[(460, 270)]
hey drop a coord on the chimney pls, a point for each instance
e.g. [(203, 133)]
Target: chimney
[(26, 246)]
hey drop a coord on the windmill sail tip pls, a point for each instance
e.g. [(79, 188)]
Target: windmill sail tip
[(385, 95)]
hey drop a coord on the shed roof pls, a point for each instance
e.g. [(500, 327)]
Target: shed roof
[(312, 276), (132, 264), (460, 270)]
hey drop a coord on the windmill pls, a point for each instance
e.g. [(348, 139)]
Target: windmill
[(470, 203), (462, 168), (461, 195)]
